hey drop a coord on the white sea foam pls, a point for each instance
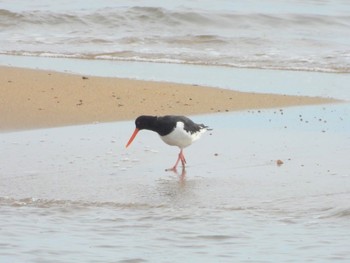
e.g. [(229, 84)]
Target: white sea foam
[(308, 35)]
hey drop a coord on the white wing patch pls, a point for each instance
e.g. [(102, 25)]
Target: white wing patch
[(180, 137)]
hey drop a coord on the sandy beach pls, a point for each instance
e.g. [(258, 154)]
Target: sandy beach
[(38, 99)]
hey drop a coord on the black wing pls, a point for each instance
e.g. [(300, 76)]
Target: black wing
[(167, 124)]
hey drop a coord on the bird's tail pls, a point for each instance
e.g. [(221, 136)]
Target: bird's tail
[(206, 127)]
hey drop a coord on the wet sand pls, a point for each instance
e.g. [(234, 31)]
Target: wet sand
[(246, 143), (263, 185), (68, 188), (37, 99), (269, 182)]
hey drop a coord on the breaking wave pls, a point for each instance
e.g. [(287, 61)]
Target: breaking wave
[(292, 41)]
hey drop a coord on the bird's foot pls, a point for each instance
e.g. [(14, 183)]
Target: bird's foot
[(183, 162), (174, 170)]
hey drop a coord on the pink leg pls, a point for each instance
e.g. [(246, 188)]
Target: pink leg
[(182, 158), (183, 162)]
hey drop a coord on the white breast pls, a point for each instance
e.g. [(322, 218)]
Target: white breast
[(180, 137)]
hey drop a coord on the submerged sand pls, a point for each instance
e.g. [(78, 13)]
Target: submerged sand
[(37, 99), (63, 187)]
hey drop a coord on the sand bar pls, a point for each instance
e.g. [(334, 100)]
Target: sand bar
[(38, 99)]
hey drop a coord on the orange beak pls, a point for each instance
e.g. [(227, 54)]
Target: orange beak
[(132, 137)]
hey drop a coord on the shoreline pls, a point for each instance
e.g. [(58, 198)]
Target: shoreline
[(305, 83), (33, 98)]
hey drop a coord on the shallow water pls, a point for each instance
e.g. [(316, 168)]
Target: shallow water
[(76, 194), (292, 35)]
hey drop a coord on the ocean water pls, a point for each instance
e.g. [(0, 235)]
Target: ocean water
[(290, 34)]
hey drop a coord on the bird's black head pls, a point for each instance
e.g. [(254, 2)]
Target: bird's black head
[(145, 122)]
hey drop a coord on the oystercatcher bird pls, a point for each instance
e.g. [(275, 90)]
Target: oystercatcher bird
[(174, 130)]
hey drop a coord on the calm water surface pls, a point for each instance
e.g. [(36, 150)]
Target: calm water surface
[(75, 194)]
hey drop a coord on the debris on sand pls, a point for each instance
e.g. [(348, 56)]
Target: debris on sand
[(279, 162)]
